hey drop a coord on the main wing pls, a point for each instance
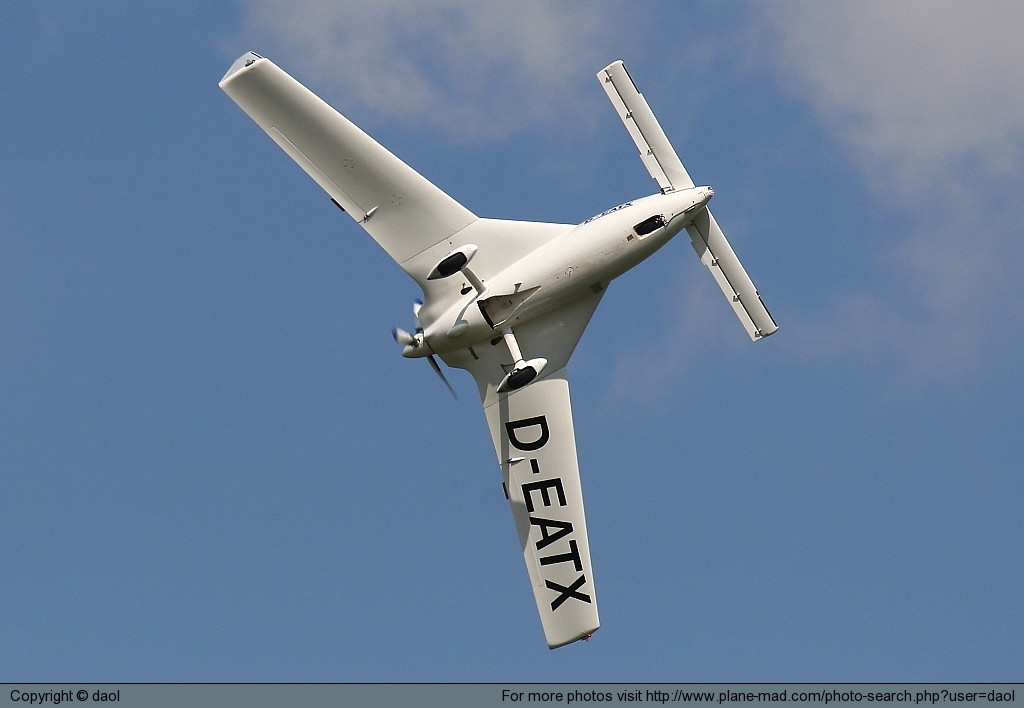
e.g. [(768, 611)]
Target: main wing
[(400, 208), (533, 435), (532, 432), (417, 223)]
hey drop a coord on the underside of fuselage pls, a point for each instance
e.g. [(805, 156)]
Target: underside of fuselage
[(584, 259)]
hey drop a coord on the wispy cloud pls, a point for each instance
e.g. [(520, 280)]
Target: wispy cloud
[(471, 69), (921, 90), (926, 96)]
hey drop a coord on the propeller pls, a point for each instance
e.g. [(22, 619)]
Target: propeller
[(437, 370), (416, 341)]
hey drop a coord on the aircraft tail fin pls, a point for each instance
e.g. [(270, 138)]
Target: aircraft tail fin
[(656, 151), (661, 160), (715, 252)]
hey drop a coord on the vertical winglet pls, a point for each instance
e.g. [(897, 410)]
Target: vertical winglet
[(656, 151)]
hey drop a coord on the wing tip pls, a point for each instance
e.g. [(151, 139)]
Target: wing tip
[(583, 636), (241, 63)]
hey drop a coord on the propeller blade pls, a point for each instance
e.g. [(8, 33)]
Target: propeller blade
[(437, 370), (403, 337), (416, 305)]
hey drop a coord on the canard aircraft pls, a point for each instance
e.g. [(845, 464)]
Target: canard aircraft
[(507, 300)]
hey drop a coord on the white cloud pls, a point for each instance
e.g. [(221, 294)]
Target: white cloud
[(926, 96), (922, 90), (472, 69)]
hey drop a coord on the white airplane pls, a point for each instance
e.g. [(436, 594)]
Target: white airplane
[(507, 300)]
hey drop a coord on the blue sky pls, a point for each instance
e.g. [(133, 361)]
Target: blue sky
[(215, 466)]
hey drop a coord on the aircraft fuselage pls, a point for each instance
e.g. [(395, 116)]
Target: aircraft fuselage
[(585, 258)]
